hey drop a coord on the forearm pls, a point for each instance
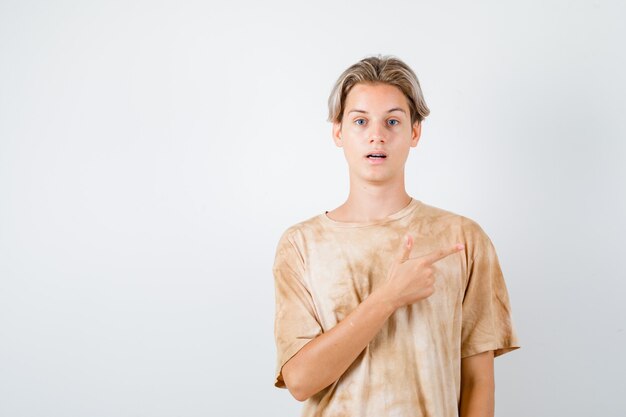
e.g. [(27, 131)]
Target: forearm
[(324, 359), (477, 399)]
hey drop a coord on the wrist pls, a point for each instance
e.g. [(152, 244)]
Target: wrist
[(382, 297)]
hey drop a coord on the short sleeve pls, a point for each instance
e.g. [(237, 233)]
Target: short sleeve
[(487, 322), (295, 321)]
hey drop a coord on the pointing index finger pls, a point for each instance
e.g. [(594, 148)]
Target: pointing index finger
[(439, 254)]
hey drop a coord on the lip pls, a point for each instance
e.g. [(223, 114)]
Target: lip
[(375, 151), (376, 161)]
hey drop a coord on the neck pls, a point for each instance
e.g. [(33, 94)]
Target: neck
[(371, 201)]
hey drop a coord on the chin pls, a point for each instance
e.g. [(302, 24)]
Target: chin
[(377, 178)]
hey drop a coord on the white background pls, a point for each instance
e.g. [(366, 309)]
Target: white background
[(151, 154)]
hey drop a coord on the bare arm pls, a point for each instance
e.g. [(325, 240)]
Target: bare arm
[(324, 359), (477, 386)]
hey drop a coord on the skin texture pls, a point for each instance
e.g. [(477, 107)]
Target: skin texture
[(477, 385), (377, 118)]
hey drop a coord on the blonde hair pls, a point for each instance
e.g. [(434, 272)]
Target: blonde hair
[(374, 70)]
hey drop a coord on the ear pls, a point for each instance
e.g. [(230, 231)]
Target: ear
[(416, 132), (337, 134)]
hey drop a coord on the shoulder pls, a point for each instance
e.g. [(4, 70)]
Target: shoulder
[(298, 232), (291, 245), (436, 221), (441, 218)]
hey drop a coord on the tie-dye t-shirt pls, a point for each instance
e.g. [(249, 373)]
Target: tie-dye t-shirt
[(324, 269)]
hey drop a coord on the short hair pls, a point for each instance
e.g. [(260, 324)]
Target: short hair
[(378, 70)]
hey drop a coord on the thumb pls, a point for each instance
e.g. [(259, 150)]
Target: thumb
[(407, 245)]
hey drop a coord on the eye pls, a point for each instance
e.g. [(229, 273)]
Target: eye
[(360, 122), (393, 122)]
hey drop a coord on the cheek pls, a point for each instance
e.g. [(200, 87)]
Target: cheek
[(352, 152), (348, 150)]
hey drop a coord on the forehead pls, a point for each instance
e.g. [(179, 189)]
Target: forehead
[(374, 97)]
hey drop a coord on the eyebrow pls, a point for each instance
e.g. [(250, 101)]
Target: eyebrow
[(388, 111)]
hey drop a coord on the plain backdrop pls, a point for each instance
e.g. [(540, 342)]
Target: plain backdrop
[(152, 152)]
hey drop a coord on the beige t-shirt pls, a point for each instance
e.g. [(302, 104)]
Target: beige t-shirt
[(324, 269)]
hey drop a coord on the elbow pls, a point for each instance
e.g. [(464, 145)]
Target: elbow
[(296, 390), (298, 394), (294, 383)]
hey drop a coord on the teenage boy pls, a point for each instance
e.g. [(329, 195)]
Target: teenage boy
[(387, 306)]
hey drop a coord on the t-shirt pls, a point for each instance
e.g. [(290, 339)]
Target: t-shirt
[(324, 269)]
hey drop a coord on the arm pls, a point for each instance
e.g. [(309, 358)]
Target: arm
[(477, 386), (326, 357)]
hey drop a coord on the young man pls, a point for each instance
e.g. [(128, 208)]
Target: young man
[(387, 306)]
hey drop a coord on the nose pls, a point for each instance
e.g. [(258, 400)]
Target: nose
[(376, 134)]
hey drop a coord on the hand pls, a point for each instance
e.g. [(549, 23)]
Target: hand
[(413, 279)]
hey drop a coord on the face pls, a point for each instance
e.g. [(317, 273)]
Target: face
[(376, 133)]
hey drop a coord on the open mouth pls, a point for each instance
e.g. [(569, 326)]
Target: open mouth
[(376, 156)]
